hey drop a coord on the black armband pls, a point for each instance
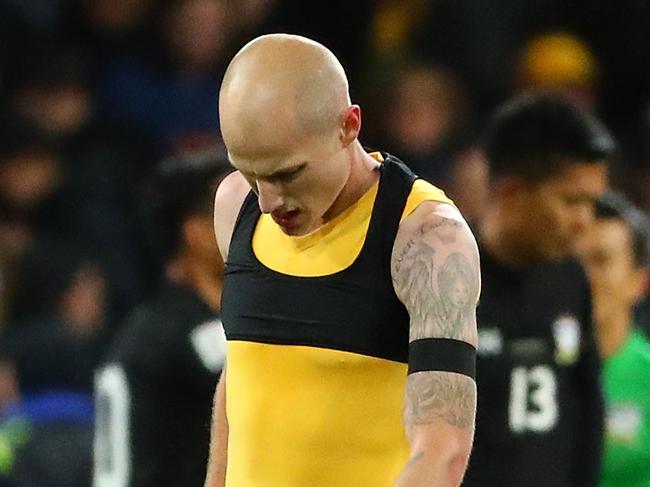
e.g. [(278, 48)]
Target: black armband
[(442, 354)]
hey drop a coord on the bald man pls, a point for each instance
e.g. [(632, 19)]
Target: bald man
[(349, 296)]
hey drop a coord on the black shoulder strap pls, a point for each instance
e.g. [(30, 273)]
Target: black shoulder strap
[(242, 232), (394, 189)]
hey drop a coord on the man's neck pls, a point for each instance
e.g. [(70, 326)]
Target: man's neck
[(363, 174), (501, 242)]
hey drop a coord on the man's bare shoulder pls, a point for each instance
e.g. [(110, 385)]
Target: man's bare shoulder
[(227, 202), (431, 210)]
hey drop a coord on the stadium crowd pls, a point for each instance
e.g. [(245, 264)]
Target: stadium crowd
[(100, 98)]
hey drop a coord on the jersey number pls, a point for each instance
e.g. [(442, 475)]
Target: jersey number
[(112, 452), (533, 399)]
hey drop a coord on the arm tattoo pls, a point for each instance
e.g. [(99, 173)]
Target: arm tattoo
[(435, 274), (440, 395), (436, 281), (414, 460)]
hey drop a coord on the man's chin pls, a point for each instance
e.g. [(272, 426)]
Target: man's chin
[(561, 252), (295, 229), (292, 232), (300, 229)]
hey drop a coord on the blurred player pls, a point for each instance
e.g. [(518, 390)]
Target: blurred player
[(349, 295), (616, 257), (539, 418), (154, 392)]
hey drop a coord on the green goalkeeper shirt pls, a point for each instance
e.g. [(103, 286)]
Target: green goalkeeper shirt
[(627, 395)]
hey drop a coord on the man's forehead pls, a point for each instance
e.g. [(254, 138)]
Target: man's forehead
[(583, 169), (580, 177)]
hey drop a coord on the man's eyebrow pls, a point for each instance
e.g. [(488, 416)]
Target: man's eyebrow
[(279, 173)]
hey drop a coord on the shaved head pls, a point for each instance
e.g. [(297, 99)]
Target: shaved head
[(280, 84)]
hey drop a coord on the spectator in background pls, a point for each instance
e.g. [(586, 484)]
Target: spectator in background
[(109, 28), (393, 24), (154, 391), (616, 254), (30, 175), (99, 163), (53, 341), (482, 46), (559, 62), (249, 17), (427, 114), (468, 183), (59, 281), (538, 370), (169, 90), (47, 85)]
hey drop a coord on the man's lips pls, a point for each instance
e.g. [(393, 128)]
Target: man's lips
[(285, 219)]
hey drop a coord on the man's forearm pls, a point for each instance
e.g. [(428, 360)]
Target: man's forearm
[(439, 424), (438, 461), (218, 457), (430, 470)]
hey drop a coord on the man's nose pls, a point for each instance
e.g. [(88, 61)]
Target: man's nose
[(269, 196)]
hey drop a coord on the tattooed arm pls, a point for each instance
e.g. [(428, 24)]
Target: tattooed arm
[(435, 271)]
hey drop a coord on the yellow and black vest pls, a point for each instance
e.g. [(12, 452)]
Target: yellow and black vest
[(318, 344)]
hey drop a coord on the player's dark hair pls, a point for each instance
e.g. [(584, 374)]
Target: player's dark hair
[(535, 135), (183, 186), (613, 205)]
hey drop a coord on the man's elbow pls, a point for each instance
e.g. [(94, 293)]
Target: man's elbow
[(457, 455), (450, 453), (458, 465)]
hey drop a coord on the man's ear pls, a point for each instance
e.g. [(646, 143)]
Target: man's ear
[(350, 125), (509, 188)]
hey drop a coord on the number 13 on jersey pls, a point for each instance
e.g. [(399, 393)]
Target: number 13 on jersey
[(533, 399)]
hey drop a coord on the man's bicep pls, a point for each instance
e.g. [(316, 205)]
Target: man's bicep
[(435, 272)]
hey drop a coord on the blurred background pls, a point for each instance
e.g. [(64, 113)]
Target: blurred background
[(95, 93)]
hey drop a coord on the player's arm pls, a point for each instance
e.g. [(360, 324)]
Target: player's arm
[(435, 271), (218, 457), (230, 196)]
